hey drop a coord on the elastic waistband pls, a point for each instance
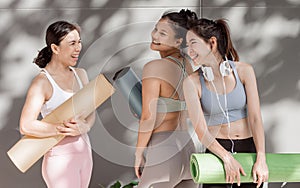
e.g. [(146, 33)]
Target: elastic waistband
[(246, 145), (235, 140)]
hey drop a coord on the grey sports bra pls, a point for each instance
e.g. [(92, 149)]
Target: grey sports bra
[(168, 104), (236, 102)]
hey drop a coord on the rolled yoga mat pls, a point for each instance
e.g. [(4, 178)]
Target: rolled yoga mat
[(207, 168), (130, 86), (30, 149)]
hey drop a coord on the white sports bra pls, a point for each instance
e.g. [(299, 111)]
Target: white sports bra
[(58, 95)]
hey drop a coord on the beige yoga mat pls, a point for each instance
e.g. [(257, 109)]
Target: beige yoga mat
[(30, 149)]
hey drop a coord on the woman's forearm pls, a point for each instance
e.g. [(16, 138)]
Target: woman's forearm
[(260, 146), (259, 138), (38, 128), (143, 139), (144, 135)]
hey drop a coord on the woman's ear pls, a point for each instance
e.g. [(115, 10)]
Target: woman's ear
[(213, 44), (178, 42), (54, 48)]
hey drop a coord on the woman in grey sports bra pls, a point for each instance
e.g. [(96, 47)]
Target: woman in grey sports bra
[(223, 102), (168, 143)]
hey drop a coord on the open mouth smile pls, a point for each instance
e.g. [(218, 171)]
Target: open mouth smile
[(155, 43)]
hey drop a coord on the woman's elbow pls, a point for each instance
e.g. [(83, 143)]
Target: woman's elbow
[(23, 128), (253, 119), (146, 125), (146, 117)]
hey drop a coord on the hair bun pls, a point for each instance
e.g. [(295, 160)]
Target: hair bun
[(188, 14), (43, 57)]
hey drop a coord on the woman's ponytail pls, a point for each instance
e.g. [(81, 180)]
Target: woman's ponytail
[(226, 47), (43, 57)]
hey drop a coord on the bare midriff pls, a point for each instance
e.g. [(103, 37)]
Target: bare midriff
[(167, 122), (237, 130)]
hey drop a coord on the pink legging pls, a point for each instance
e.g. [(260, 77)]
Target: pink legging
[(67, 171)]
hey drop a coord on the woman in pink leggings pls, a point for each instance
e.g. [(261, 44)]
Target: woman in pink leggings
[(68, 164)]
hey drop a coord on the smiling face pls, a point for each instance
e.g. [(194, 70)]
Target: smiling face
[(69, 48), (163, 36), (198, 49)]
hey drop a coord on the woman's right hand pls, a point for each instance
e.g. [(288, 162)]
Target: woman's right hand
[(139, 163), (74, 127), (233, 169)]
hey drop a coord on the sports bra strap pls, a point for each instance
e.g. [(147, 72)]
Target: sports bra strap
[(183, 73), (52, 81), (177, 61), (77, 77)]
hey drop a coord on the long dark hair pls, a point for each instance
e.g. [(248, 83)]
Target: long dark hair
[(55, 33), (180, 22), (206, 29)]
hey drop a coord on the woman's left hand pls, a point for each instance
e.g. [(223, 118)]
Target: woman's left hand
[(74, 127), (260, 172)]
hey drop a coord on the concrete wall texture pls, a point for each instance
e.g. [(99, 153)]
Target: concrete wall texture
[(116, 34)]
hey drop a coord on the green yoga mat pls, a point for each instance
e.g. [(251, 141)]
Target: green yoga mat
[(207, 168)]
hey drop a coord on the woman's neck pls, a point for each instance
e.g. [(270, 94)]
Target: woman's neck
[(214, 60), (57, 68), (175, 53)]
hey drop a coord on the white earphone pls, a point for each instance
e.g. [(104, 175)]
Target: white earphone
[(224, 69)]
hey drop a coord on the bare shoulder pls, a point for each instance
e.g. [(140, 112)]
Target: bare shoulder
[(81, 72), (152, 65), (242, 66), (40, 80), (154, 68), (245, 70), (193, 79), (82, 75), (192, 85), (40, 85)]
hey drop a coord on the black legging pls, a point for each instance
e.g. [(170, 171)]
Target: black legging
[(241, 146)]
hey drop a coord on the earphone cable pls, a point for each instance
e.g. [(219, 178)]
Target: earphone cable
[(227, 115)]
